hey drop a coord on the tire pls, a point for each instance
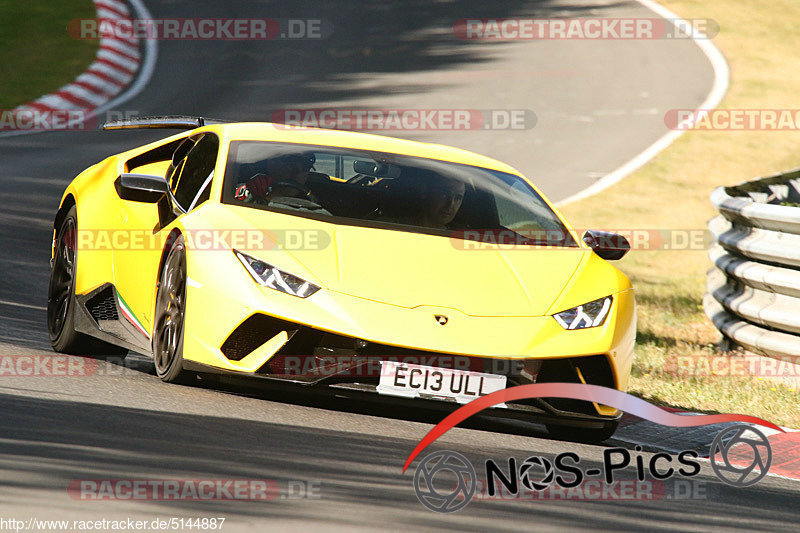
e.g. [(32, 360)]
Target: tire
[(584, 435), (61, 300), (170, 317)]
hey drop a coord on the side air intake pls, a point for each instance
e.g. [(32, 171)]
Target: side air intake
[(102, 305), (252, 333)]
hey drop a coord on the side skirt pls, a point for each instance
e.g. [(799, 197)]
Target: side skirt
[(103, 314)]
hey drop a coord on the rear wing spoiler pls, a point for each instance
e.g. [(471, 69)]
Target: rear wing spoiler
[(170, 122)]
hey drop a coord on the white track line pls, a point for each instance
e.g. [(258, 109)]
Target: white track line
[(718, 90)]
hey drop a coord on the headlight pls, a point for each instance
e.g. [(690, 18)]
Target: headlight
[(274, 278), (588, 315)]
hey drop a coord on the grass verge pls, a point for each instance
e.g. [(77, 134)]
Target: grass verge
[(37, 54), (760, 41)]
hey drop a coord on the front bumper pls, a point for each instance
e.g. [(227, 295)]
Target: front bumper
[(540, 410), (234, 326)]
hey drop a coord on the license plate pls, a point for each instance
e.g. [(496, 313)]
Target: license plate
[(419, 381)]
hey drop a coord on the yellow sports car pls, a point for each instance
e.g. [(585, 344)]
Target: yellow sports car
[(338, 259)]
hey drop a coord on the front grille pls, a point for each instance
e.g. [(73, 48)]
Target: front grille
[(312, 355), (102, 306)]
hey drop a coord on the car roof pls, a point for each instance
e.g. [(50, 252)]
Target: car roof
[(266, 131)]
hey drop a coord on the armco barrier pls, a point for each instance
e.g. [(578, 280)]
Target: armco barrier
[(753, 288)]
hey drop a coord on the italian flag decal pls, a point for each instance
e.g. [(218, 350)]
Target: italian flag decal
[(128, 314)]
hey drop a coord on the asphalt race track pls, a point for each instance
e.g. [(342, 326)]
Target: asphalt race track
[(598, 105)]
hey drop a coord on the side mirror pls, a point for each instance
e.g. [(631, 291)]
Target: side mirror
[(609, 246), (141, 187)]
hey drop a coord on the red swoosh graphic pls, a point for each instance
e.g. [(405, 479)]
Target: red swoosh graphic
[(578, 391)]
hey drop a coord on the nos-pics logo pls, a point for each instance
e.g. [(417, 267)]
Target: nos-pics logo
[(445, 481)]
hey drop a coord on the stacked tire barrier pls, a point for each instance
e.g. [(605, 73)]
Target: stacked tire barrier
[(753, 288)]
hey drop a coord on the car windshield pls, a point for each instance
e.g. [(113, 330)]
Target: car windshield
[(391, 191)]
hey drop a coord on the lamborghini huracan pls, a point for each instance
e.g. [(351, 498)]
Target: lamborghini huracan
[(341, 260)]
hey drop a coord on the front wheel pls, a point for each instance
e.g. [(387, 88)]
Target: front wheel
[(170, 316), (584, 435)]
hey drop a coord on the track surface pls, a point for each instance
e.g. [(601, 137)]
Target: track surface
[(598, 103)]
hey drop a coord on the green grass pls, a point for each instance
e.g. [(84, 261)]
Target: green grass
[(760, 41), (36, 53)]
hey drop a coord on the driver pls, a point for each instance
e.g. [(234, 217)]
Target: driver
[(426, 199), (441, 199), (284, 175)]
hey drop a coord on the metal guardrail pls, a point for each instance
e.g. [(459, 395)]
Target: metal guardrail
[(753, 288)]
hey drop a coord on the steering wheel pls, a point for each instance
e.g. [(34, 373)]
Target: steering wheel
[(293, 185), (306, 201), (298, 203)]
